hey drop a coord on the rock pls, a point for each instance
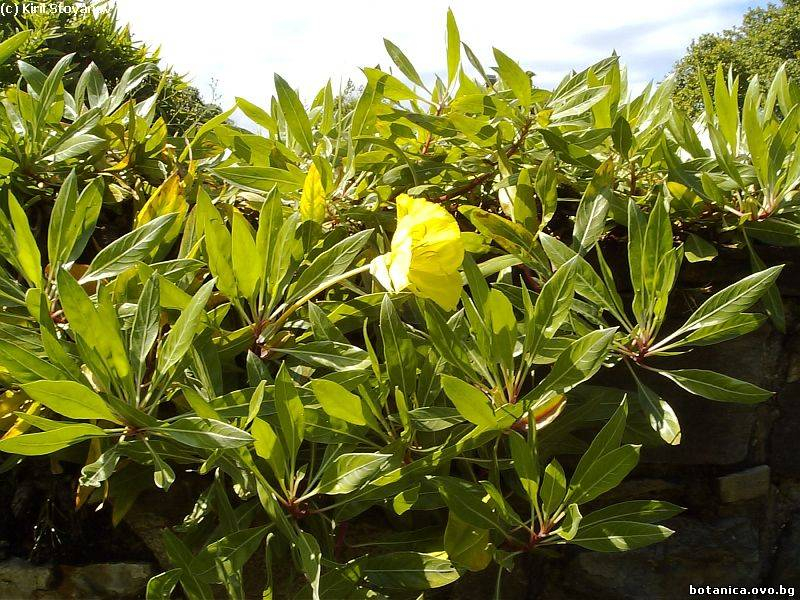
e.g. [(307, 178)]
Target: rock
[(720, 553), (21, 579), (718, 433), (744, 485), (481, 585), (109, 581), (786, 566), (785, 459), (149, 528)]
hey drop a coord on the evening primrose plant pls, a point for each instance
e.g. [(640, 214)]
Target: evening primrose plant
[(367, 338)]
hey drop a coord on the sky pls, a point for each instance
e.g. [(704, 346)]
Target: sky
[(232, 48)]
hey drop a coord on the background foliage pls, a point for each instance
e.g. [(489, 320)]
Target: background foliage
[(767, 38), (95, 36)]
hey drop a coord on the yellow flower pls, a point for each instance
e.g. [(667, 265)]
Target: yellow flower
[(426, 253)]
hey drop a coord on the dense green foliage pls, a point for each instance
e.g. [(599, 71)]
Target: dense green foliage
[(387, 317), (767, 38), (95, 36)]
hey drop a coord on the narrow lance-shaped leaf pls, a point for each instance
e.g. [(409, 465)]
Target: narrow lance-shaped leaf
[(453, 47), (131, 248), (732, 300), (514, 77), (180, 336), (70, 399), (716, 386), (28, 255), (290, 411), (296, 117), (402, 62), (145, 328)]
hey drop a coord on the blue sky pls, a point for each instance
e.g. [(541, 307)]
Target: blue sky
[(241, 43)]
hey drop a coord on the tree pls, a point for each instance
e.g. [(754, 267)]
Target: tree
[(766, 38), (97, 36)]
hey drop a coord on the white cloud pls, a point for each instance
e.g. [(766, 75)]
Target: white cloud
[(241, 43)]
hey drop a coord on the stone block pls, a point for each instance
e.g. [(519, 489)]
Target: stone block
[(744, 485)]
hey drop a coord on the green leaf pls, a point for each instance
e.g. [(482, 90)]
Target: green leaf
[(466, 500), (97, 329), (70, 399), (180, 555), (514, 77), (470, 402), (47, 442), (76, 145), (290, 411), (466, 545), (402, 62), (337, 402), (398, 350), (256, 114), (58, 232), (732, 300), (727, 108), (552, 307), (145, 327), (639, 511), (554, 488), (262, 179), (349, 472), (771, 301), (607, 439), (11, 45), (733, 327), (405, 500), (161, 586), (453, 47), (659, 414), (93, 474), (27, 251), (296, 117), (388, 86), (751, 124), (179, 339), (24, 366), (716, 386), (698, 250), (546, 186), (243, 250), (590, 218), (570, 524), (435, 418), (331, 355), (311, 559), (129, 249), (525, 463), (268, 447), (604, 474), (619, 536), (208, 434), (587, 283), (577, 363), (163, 474), (328, 265), (408, 571)]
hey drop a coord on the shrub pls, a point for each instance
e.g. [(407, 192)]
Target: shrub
[(93, 35), (389, 317)]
